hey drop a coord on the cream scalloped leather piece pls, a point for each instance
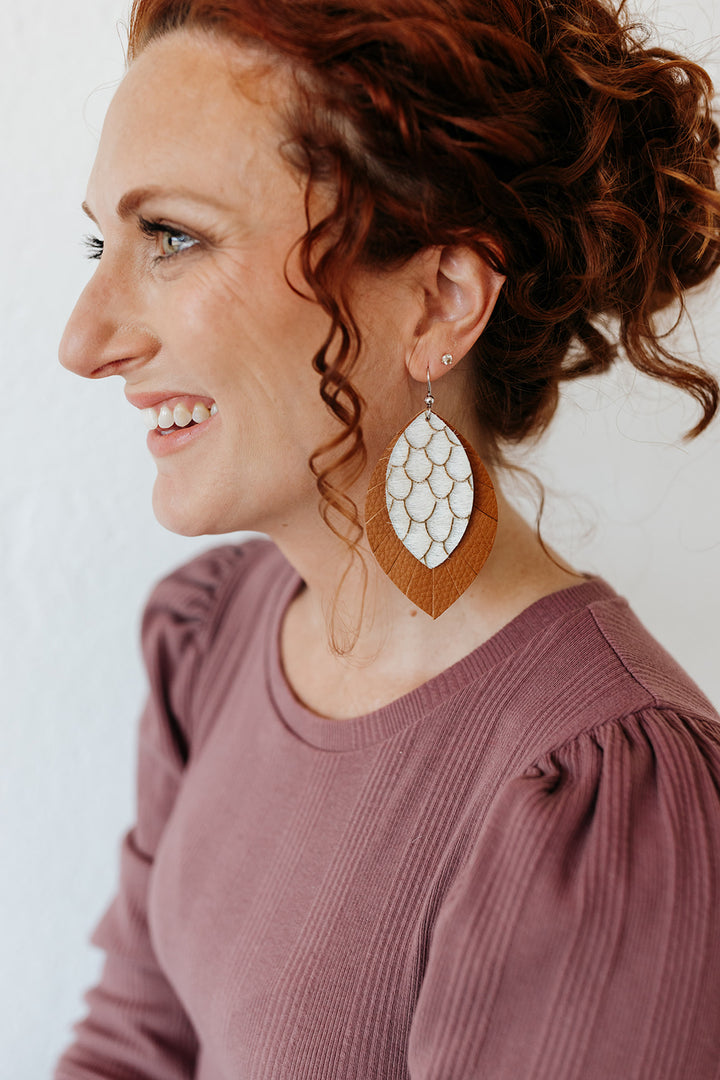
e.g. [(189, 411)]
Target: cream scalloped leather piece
[(429, 489)]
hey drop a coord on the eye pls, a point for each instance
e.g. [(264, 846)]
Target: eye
[(172, 241)]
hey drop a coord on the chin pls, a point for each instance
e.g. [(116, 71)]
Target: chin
[(192, 515), (183, 516)]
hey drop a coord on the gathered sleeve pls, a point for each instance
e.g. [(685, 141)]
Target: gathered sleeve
[(581, 940), (136, 1027)]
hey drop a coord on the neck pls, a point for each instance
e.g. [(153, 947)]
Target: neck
[(392, 632)]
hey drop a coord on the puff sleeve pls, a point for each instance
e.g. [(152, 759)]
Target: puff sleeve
[(581, 939), (135, 1026)]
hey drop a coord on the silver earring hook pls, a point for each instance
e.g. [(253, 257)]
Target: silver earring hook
[(429, 399)]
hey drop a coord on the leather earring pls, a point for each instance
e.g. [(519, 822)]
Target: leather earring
[(431, 512)]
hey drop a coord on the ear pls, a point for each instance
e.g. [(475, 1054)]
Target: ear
[(460, 290)]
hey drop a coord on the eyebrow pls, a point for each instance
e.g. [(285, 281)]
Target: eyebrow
[(132, 200)]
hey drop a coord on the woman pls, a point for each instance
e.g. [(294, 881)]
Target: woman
[(416, 798)]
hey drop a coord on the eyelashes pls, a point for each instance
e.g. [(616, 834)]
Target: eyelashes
[(93, 246), (154, 230)]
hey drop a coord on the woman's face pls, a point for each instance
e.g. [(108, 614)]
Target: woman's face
[(198, 211)]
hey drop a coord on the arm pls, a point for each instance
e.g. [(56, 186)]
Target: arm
[(136, 1028), (582, 940)]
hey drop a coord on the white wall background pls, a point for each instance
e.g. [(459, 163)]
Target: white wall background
[(80, 548)]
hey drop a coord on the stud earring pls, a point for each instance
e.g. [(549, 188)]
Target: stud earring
[(431, 511)]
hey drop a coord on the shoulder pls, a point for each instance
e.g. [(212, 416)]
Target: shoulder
[(594, 665), (201, 616), (645, 660), (625, 761), (643, 745), (196, 594)]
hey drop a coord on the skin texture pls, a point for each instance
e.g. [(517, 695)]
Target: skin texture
[(217, 320)]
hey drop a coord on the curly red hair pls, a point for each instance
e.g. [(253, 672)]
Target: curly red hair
[(548, 137)]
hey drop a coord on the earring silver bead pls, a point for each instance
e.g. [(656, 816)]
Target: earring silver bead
[(447, 359)]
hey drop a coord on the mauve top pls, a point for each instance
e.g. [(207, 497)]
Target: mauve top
[(511, 872)]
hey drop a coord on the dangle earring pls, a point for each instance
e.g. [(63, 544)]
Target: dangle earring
[(431, 512)]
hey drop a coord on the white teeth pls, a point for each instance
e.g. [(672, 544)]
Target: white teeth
[(181, 416), (165, 417), (200, 413)]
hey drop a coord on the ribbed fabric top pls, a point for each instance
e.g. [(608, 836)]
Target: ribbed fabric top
[(511, 872)]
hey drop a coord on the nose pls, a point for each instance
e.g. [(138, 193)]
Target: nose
[(103, 335)]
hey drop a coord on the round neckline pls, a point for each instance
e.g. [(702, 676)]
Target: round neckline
[(326, 733)]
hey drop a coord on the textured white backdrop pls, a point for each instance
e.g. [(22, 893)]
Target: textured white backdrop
[(80, 548)]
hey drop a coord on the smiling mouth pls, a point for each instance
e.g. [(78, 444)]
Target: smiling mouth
[(166, 420)]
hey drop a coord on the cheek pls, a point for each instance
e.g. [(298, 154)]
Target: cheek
[(245, 302), (242, 336)]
